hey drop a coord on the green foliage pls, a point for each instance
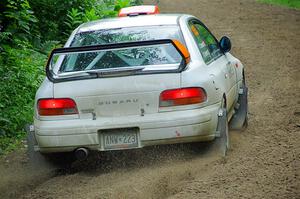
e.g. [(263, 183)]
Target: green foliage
[(102, 9), (18, 20), (29, 29), (74, 19), (58, 18), (46, 46), (21, 71), (8, 144), (52, 14), (288, 3)]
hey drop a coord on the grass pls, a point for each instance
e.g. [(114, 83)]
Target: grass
[(9, 144), (287, 3)]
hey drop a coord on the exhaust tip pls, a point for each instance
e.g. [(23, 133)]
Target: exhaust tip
[(81, 154)]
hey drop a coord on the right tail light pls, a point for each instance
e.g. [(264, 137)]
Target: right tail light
[(182, 96)]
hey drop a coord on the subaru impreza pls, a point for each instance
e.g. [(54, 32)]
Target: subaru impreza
[(136, 80)]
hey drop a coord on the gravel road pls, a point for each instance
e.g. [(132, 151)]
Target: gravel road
[(264, 160)]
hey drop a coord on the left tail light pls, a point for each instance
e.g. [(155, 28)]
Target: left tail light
[(59, 106)]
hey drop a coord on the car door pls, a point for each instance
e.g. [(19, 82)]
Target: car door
[(219, 66)]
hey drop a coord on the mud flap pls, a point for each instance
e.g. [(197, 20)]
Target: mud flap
[(36, 159), (46, 161), (239, 120), (222, 142)]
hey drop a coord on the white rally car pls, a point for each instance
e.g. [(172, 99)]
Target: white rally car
[(137, 80)]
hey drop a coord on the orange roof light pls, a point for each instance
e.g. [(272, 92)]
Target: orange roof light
[(138, 10)]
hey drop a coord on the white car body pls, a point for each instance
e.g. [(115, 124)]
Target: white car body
[(132, 101)]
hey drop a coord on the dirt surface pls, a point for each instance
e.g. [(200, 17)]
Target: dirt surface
[(264, 160)]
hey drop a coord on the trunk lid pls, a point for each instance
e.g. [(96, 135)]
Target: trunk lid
[(117, 96)]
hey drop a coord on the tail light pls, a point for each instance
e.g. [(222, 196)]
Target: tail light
[(182, 96), (61, 106)]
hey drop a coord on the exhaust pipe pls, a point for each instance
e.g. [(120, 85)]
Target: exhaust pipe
[(81, 154)]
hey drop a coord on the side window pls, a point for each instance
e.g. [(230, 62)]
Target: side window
[(207, 44)]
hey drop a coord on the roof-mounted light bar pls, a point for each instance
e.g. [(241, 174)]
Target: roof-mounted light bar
[(138, 10)]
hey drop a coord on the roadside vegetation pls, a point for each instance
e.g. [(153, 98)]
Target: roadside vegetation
[(287, 3), (29, 29)]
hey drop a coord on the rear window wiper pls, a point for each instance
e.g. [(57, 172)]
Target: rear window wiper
[(112, 72), (102, 72)]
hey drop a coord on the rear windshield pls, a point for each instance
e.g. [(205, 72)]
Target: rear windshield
[(154, 57), (129, 34)]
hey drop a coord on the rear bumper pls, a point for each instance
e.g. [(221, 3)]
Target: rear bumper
[(154, 129)]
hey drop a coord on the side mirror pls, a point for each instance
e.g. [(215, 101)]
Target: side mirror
[(225, 44)]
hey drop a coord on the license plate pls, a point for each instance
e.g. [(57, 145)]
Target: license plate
[(120, 138)]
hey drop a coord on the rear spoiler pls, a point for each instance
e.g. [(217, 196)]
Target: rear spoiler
[(177, 44)]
